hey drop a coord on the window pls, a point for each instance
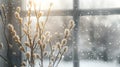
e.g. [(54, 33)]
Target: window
[(97, 27), (96, 36)]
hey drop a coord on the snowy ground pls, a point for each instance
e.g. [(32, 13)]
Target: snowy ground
[(85, 63)]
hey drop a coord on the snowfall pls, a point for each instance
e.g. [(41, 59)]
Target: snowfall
[(85, 63)]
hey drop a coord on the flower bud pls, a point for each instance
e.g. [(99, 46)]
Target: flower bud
[(3, 6), (66, 33), (43, 38), (34, 55), (71, 24), (1, 45), (17, 15), (13, 32), (23, 63), (28, 13), (20, 20), (58, 45), (40, 42), (47, 33), (37, 56), (64, 42), (27, 44), (28, 55), (10, 27), (16, 38), (39, 14), (22, 48), (18, 9)]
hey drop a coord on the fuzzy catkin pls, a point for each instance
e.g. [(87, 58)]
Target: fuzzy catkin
[(71, 24), (28, 55), (27, 44), (17, 15), (64, 42), (18, 9), (22, 49), (10, 27), (66, 33), (1, 45)]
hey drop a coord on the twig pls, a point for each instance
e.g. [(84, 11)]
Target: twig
[(59, 60), (4, 59)]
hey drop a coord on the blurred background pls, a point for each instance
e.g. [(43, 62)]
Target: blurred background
[(95, 40)]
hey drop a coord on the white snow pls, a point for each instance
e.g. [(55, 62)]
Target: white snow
[(85, 63)]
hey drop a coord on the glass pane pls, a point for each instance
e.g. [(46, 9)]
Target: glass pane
[(99, 41), (57, 4), (93, 4)]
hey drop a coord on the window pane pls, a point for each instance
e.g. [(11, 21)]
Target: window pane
[(99, 41), (93, 4)]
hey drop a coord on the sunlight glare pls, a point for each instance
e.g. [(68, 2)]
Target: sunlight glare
[(40, 4)]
